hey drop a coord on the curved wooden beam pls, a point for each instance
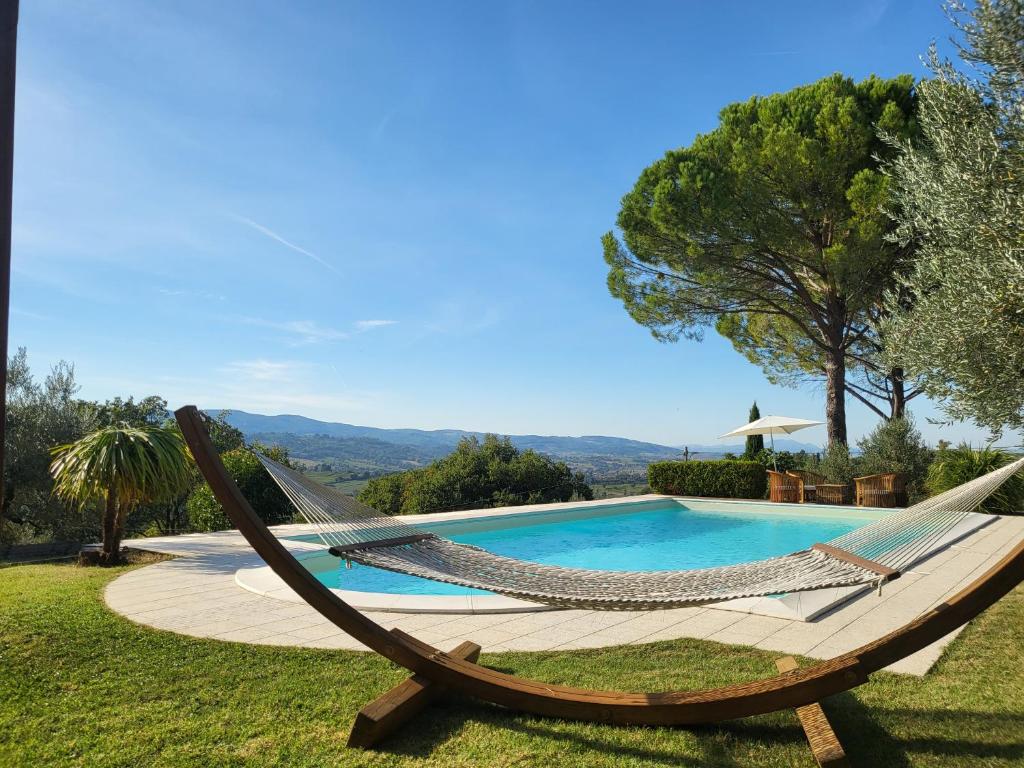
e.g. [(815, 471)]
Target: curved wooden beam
[(785, 691)]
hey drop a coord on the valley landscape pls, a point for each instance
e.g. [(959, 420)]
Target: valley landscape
[(347, 455)]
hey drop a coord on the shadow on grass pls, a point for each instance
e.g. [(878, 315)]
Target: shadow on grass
[(445, 720), (864, 732), (869, 734)]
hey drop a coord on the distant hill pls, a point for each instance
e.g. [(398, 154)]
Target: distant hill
[(254, 423), (375, 450), (781, 444)]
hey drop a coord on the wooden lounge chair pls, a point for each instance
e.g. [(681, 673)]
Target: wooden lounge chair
[(809, 482), (457, 671), (884, 490), (832, 493), (784, 488), (818, 489)]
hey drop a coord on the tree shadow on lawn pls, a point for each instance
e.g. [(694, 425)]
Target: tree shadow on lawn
[(447, 720), (871, 735), (949, 734)]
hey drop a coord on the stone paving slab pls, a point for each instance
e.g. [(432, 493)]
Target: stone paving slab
[(195, 594)]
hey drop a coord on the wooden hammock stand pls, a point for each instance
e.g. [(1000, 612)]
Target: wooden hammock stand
[(434, 670)]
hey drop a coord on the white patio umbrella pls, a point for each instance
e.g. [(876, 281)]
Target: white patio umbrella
[(772, 426)]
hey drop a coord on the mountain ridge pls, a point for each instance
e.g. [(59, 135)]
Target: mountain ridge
[(255, 423), (376, 450)]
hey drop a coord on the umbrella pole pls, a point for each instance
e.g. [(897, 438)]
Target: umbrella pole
[(775, 461)]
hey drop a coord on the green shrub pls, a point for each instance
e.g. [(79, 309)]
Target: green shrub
[(727, 479), (779, 460), (956, 466), (385, 493), (896, 446), (836, 464), (491, 473), (268, 501)]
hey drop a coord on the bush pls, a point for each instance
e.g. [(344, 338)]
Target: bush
[(726, 479), (267, 499), (835, 464), (477, 474), (896, 446), (385, 493), (780, 460), (956, 466)]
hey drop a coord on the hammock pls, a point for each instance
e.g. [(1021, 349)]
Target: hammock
[(872, 554)]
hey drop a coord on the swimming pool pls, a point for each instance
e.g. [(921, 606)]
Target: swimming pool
[(666, 534)]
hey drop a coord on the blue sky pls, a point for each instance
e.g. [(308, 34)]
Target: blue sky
[(388, 213)]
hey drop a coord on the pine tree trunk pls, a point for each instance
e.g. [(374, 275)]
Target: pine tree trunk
[(835, 397), (899, 394)]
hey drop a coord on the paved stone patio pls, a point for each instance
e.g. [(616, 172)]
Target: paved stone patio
[(196, 594)]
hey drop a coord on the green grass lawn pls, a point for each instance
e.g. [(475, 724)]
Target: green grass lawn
[(82, 686)]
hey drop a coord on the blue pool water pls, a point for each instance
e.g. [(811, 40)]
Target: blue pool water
[(668, 537)]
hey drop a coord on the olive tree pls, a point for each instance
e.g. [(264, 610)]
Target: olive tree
[(957, 321)]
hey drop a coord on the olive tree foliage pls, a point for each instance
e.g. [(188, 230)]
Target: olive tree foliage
[(40, 415), (171, 516), (148, 412), (896, 445), (267, 499), (770, 230), (957, 321)]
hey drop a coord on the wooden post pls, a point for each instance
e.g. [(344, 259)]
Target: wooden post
[(8, 60), (822, 739), (391, 711)]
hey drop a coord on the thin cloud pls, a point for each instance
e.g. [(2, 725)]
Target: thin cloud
[(463, 318), (271, 386), (310, 332), (286, 243), (262, 370), (368, 325), (30, 315), (182, 293), (382, 124), (306, 331)]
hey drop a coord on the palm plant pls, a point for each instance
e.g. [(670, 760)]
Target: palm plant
[(955, 466), (120, 467)]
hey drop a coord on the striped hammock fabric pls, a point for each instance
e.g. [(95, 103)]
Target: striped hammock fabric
[(871, 554)]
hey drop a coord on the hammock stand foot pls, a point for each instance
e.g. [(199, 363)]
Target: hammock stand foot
[(392, 710), (824, 743)]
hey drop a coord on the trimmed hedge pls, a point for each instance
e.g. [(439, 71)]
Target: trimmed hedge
[(724, 479)]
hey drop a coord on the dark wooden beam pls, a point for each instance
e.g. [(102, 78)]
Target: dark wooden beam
[(822, 739), (383, 716), (8, 62), (339, 551), (890, 574)]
